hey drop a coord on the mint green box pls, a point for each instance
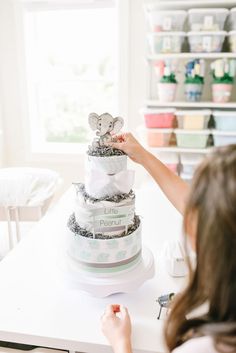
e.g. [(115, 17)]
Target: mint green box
[(192, 139)]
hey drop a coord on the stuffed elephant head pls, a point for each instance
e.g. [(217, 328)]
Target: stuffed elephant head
[(105, 124)]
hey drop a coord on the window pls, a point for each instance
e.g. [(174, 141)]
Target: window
[(72, 68)]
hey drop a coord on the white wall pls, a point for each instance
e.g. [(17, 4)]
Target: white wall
[(14, 113), (1, 139)]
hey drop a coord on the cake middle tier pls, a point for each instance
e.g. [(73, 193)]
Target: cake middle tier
[(110, 216), (107, 176)]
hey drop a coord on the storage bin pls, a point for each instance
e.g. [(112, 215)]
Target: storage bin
[(189, 162), (232, 18), (170, 159), (160, 21), (207, 19), (232, 41), (193, 119), (190, 139), (222, 138), (188, 169), (225, 120), (159, 118), (191, 158), (206, 42), (166, 42), (159, 137)]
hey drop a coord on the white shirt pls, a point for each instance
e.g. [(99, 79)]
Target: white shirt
[(203, 344)]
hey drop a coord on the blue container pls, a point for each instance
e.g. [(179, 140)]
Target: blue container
[(225, 120), (224, 138)]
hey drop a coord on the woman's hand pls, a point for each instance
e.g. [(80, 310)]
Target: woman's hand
[(117, 329), (128, 144)]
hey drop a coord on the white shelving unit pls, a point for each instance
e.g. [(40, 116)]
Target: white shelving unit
[(187, 4), (180, 150), (183, 57), (176, 104)]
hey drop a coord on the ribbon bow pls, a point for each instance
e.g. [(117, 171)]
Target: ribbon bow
[(99, 184)]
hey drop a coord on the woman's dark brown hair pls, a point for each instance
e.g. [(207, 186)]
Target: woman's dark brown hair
[(212, 200)]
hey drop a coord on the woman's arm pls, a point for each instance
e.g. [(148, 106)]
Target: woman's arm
[(175, 189), (117, 329)]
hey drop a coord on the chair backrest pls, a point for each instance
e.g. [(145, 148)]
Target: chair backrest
[(36, 350)]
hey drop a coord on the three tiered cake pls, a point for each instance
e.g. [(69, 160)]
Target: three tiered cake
[(105, 238)]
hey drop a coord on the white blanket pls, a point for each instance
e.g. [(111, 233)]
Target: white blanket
[(26, 186)]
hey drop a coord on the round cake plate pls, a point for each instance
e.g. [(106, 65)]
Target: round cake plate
[(121, 283)]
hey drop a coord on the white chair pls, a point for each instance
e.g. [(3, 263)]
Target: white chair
[(25, 195), (35, 350)]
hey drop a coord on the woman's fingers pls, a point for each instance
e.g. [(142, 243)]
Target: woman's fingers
[(109, 310), (118, 145), (123, 310)]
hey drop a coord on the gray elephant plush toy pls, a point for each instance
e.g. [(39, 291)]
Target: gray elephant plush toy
[(106, 126)]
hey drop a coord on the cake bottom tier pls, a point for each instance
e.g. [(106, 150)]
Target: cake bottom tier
[(105, 256)]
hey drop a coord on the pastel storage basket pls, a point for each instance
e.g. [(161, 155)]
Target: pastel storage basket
[(159, 137), (191, 158), (222, 138), (160, 21), (207, 19), (171, 160), (193, 119), (190, 139), (166, 42), (206, 42), (225, 120), (159, 118), (189, 162)]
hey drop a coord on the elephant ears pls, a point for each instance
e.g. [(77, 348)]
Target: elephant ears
[(118, 124), (93, 120)]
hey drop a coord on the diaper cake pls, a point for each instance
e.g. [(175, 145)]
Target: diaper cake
[(105, 232)]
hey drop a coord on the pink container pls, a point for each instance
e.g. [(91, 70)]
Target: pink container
[(159, 137), (172, 167), (221, 92), (159, 118)]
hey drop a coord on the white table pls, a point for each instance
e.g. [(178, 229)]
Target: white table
[(39, 306)]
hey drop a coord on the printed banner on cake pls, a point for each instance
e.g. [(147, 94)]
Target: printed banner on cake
[(112, 211), (111, 216), (122, 220)]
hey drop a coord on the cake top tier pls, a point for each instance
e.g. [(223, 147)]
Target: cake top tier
[(106, 127)]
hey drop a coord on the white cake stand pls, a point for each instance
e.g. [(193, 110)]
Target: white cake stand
[(120, 283)]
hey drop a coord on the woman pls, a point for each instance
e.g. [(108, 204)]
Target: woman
[(209, 209)]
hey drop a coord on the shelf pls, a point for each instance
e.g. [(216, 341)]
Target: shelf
[(156, 103), (186, 4), (191, 56), (180, 150)]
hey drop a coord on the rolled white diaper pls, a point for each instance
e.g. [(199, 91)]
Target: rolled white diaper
[(110, 165), (98, 184)]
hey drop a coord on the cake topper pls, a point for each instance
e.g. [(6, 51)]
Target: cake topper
[(106, 126)]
